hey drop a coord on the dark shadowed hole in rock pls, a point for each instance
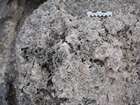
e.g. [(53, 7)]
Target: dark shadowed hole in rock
[(25, 53), (83, 59), (34, 3), (79, 38), (28, 84), (99, 62), (78, 47), (70, 20), (90, 66), (9, 1), (138, 74), (27, 58), (50, 83), (22, 90), (76, 27), (87, 101), (96, 87), (47, 66), (130, 32), (112, 80), (36, 51), (71, 47), (138, 63), (127, 67), (11, 96), (24, 50), (91, 60)]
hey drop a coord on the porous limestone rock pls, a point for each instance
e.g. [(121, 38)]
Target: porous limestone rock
[(65, 57)]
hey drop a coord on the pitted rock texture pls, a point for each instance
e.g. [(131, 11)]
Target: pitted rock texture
[(12, 16), (67, 58)]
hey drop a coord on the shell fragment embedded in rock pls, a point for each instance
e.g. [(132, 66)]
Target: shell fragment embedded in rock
[(103, 13)]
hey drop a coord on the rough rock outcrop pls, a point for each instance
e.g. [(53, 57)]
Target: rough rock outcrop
[(61, 56), (12, 15), (66, 58)]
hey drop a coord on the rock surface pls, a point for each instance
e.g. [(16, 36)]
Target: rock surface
[(64, 57), (12, 15)]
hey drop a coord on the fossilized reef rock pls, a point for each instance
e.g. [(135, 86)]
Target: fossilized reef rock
[(67, 58), (62, 57)]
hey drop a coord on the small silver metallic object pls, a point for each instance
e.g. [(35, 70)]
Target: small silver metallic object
[(100, 14)]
